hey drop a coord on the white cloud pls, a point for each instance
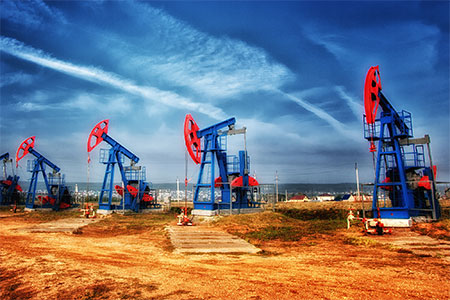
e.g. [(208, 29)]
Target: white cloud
[(16, 78), (362, 44), (355, 106), (320, 113), (175, 52), (108, 104), (46, 101), (30, 106), (18, 49), (31, 14)]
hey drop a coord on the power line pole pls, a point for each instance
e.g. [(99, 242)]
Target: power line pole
[(276, 187), (178, 190)]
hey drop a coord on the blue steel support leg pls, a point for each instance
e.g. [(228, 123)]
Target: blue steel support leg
[(111, 185), (401, 168), (377, 174), (199, 180), (223, 172), (244, 173), (100, 198), (47, 186), (32, 188), (109, 173), (200, 175), (212, 178), (127, 200)]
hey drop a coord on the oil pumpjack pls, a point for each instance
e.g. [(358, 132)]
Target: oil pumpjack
[(9, 185), (135, 192), (404, 185), (208, 147), (58, 196)]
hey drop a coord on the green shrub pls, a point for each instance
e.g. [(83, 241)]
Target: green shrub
[(317, 214), (177, 210), (287, 233), (445, 212)]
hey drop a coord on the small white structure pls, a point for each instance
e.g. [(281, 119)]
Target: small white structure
[(325, 197)]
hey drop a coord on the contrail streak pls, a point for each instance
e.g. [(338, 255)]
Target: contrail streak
[(357, 108), (340, 127), (93, 74)]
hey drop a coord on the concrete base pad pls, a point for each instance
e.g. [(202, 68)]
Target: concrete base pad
[(119, 211), (37, 209), (393, 222), (198, 239), (108, 211), (224, 212)]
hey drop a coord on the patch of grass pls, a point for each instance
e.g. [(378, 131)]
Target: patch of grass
[(314, 214), (266, 253), (445, 213), (47, 216), (177, 210), (129, 223), (286, 233), (438, 230), (361, 241), (274, 226), (325, 226), (308, 229)]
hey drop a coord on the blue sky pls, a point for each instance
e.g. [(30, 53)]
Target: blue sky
[(291, 72)]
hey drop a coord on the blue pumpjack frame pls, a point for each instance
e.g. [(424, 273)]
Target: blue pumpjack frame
[(406, 201), (214, 154)]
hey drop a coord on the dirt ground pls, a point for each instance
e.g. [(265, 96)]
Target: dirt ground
[(120, 259)]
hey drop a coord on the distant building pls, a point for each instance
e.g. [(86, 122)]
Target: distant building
[(325, 197), (348, 197), (363, 197), (299, 198)]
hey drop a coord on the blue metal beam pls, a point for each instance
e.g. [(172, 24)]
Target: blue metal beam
[(44, 160), (120, 148), (4, 156), (214, 128)]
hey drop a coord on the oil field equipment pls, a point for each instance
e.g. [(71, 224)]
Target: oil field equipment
[(58, 196), (9, 185), (404, 185), (135, 192), (208, 147), (183, 219)]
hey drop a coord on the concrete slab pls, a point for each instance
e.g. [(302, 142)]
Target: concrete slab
[(198, 239), (225, 212), (421, 245), (119, 211), (63, 225)]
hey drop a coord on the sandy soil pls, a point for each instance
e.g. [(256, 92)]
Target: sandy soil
[(122, 264)]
